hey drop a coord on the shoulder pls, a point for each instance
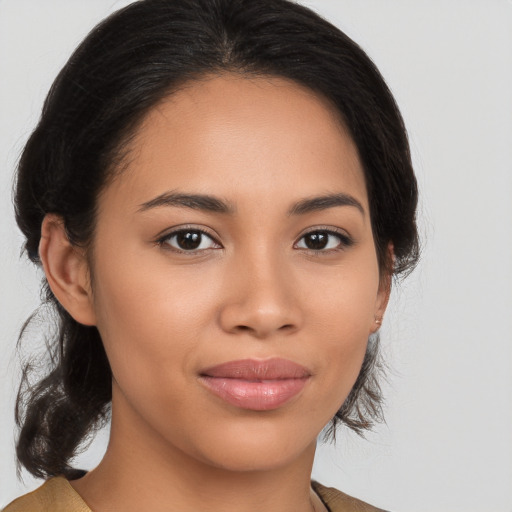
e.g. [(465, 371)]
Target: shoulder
[(338, 501), (55, 495)]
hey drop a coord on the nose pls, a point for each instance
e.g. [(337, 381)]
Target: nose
[(261, 299)]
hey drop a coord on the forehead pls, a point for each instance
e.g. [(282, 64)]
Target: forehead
[(243, 138)]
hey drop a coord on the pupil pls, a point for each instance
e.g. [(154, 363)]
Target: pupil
[(189, 240), (317, 240)]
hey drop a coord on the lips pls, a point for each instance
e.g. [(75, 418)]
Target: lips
[(254, 384)]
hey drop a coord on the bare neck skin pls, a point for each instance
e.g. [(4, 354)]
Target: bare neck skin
[(136, 474)]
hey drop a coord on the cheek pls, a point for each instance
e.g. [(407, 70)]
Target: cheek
[(343, 300), (146, 319), (342, 311)]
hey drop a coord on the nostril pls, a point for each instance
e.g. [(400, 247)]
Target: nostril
[(246, 328)]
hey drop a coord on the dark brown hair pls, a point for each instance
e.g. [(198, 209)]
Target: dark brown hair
[(126, 65)]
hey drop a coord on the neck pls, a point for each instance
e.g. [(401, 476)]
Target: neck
[(143, 471)]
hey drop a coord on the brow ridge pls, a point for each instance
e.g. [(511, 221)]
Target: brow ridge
[(324, 202), (194, 201), (214, 204)]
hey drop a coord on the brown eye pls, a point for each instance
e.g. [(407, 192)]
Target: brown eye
[(190, 240), (323, 240), (316, 241)]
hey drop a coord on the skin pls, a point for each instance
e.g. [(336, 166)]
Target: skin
[(253, 290)]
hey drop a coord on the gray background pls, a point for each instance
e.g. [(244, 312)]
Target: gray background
[(447, 445)]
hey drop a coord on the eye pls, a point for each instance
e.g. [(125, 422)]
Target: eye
[(324, 240), (188, 240)]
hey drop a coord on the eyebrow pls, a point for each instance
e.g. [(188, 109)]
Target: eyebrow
[(193, 201), (216, 205), (324, 202)]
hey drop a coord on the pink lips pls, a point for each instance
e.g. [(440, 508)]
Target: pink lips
[(256, 385)]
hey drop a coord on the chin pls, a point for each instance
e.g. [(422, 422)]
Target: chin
[(263, 447), (256, 460)]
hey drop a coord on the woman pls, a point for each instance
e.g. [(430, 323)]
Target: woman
[(219, 193)]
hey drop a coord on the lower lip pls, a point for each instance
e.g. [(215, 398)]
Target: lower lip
[(255, 395)]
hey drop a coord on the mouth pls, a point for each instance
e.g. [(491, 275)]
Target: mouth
[(256, 385)]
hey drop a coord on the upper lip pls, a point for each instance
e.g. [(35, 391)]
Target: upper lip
[(254, 369)]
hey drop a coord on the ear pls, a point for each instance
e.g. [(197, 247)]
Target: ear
[(384, 289), (67, 270)]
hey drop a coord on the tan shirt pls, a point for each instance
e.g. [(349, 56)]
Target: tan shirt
[(57, 495)]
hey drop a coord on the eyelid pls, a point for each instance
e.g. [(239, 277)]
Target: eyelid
[(164, 236), (345, 238)]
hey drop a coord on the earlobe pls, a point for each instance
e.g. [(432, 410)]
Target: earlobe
[(66, 270), (382, 302), (384, 291)]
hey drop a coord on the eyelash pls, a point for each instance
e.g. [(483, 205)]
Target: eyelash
[(164, 240), (345, 241)]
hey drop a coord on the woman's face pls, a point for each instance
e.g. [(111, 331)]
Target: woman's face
[(235, 274)]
